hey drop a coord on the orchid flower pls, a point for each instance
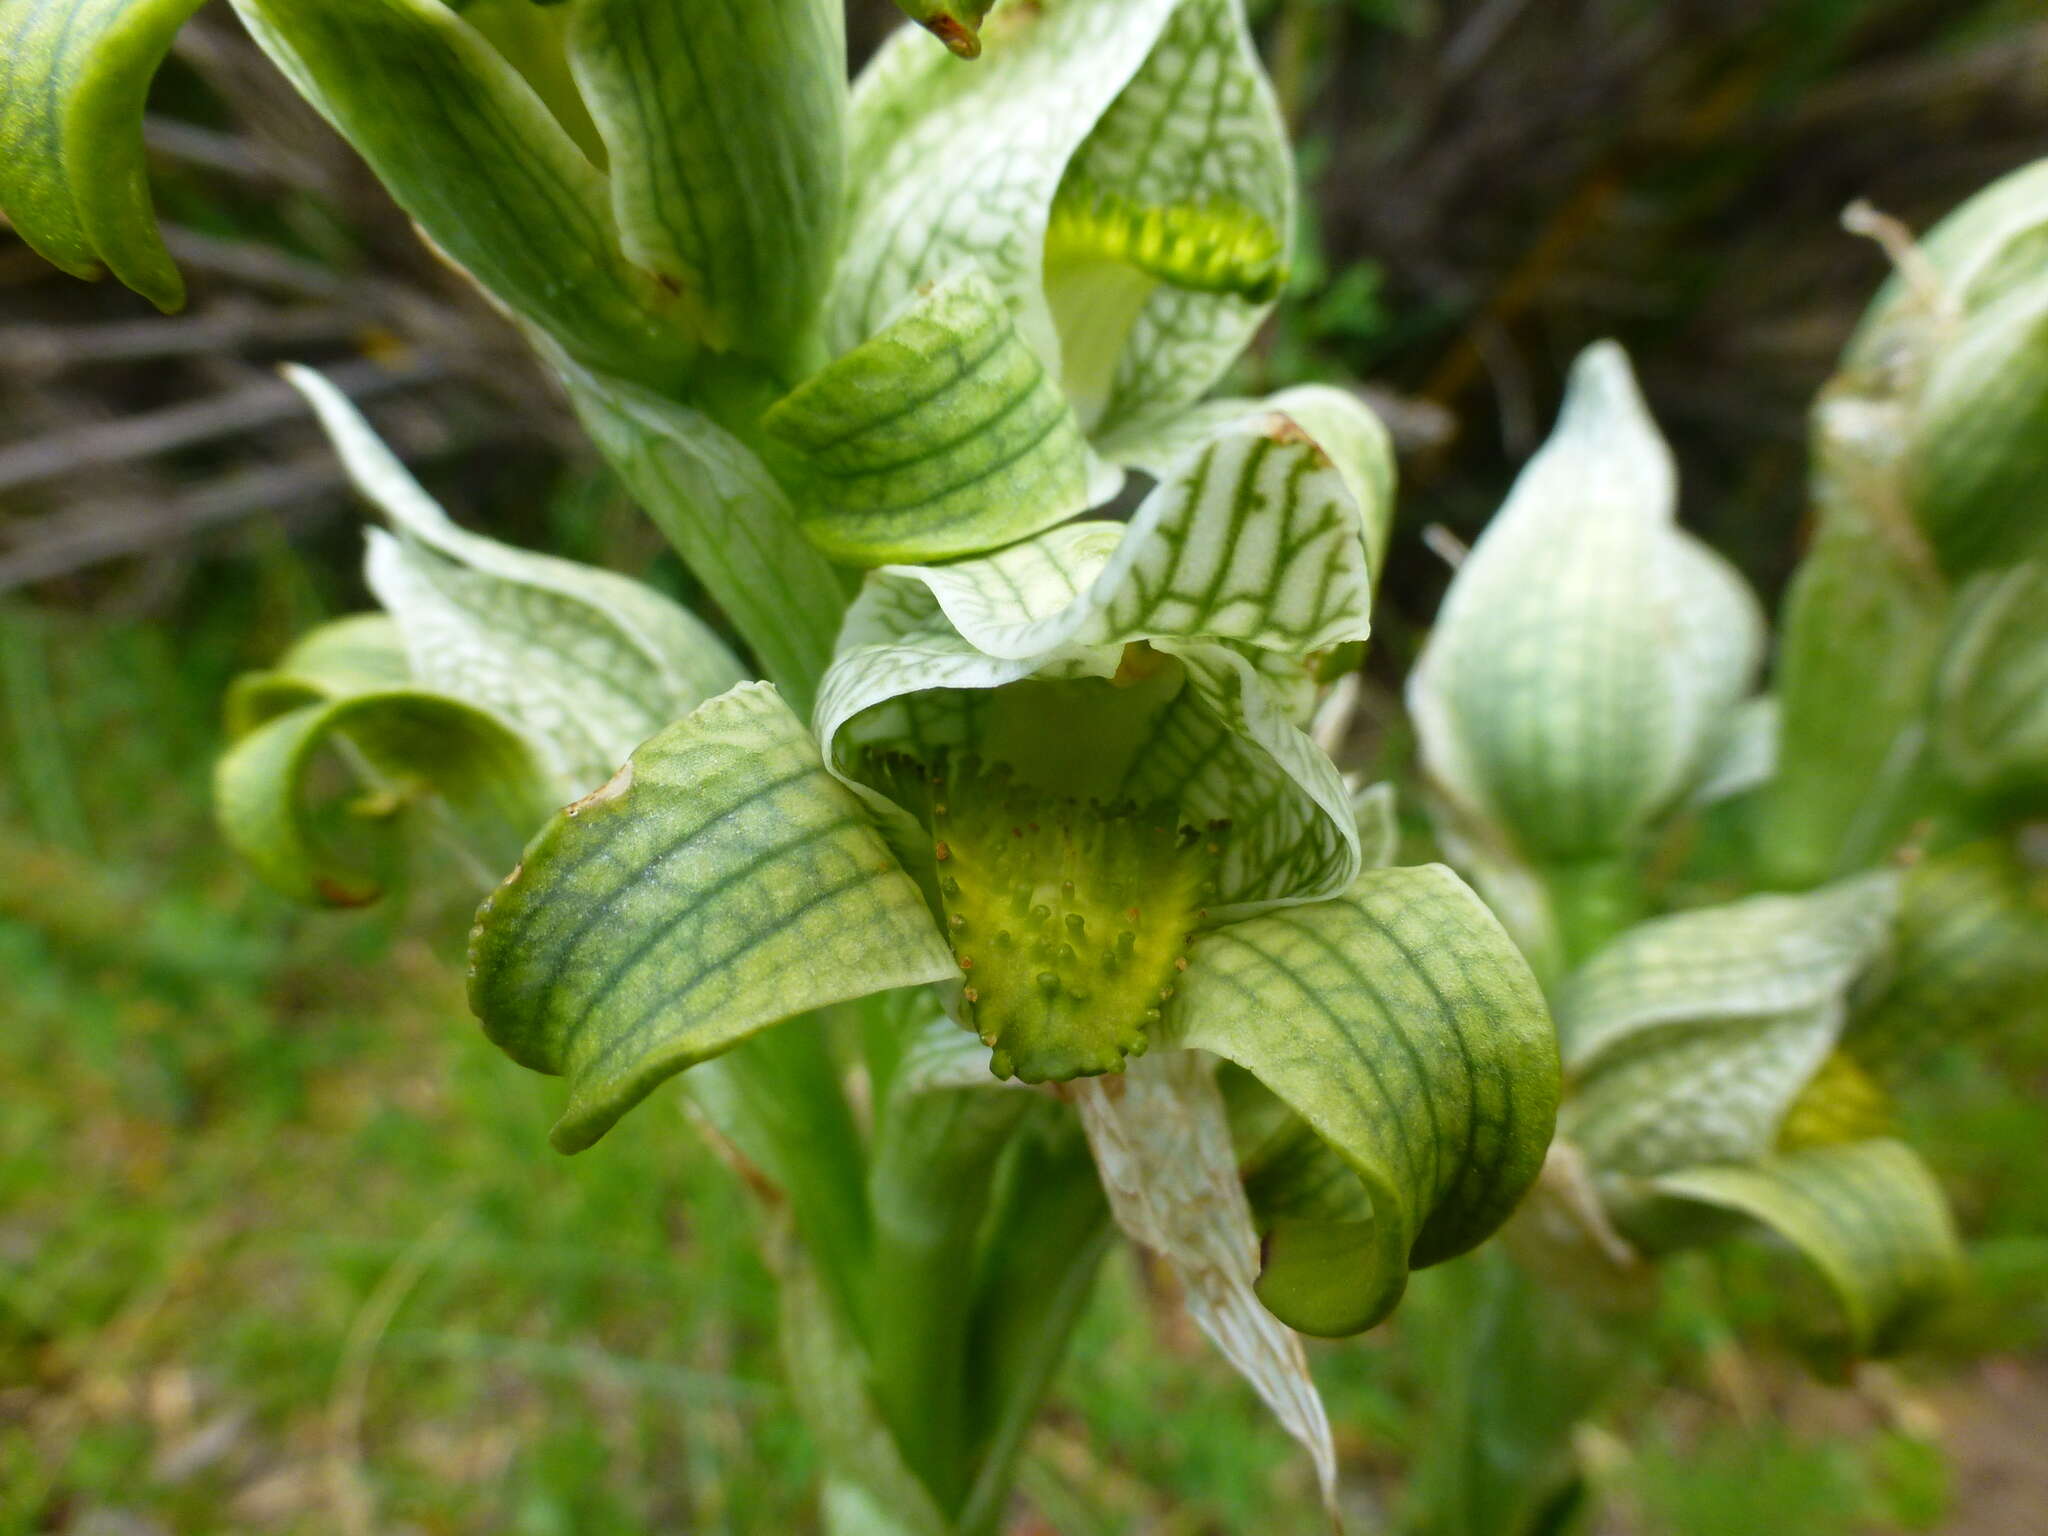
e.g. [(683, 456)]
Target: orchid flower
[(1064, 784)]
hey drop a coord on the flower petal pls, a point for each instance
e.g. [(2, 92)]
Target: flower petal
[(1162, 1145), (1404, 1029), (721, 882)]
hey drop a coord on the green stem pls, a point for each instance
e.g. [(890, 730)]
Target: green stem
[(934, 1162), (716, 500), (779, 1096), (1591, 901), (1049, 1231), (1513, 1365)]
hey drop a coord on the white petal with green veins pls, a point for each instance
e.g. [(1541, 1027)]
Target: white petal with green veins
[(1698, 1093), (586, 662), (1690, 1036), (1255, 547), (1401, 1024), (1258, 535), (954, 164), (1588, 652), (941, 435), (1163, 1147), (1196, 128), (1755, 958)]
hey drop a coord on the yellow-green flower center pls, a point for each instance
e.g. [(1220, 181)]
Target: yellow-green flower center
[(1071, 920)]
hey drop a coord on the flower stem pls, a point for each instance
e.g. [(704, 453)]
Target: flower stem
[(935, 1158)]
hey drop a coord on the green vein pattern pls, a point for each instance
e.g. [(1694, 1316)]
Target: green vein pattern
[(723, 881), (1402, 1025)]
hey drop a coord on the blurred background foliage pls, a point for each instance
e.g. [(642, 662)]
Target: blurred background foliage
[(281, 1245)]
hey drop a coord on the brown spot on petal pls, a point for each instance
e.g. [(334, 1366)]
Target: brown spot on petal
[(959, 40), (1286, 431), (611, 789)]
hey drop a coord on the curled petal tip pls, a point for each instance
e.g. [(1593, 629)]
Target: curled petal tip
[(960, 39), (956, 23)]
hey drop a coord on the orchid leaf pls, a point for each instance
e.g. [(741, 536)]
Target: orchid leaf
[(1850, 730), (724, 123), (1196, 132), (1990, 718), (941, 435), (1162, 1145), (73, 180), (1588, 652), (869, 1491), (586, 663), (1868, 1215), (1399, 1022), (729, 520), (491, 178), (408, 745), (952, 165), (719, 883)]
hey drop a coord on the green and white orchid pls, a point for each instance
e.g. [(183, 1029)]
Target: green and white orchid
[(1064, 781), (1582, 686), (1581, 703), (1019, 897), (1055, 771), (1714, 1060), (1926, 448)]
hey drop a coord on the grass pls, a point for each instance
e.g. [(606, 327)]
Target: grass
[(282, 1247)]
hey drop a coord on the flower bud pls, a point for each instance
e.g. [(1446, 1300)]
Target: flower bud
[(1957, 345), (1977, 460)]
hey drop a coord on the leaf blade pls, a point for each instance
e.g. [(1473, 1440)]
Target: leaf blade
[(485, 774), (731, 192), (585, 662), (481, 165)]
